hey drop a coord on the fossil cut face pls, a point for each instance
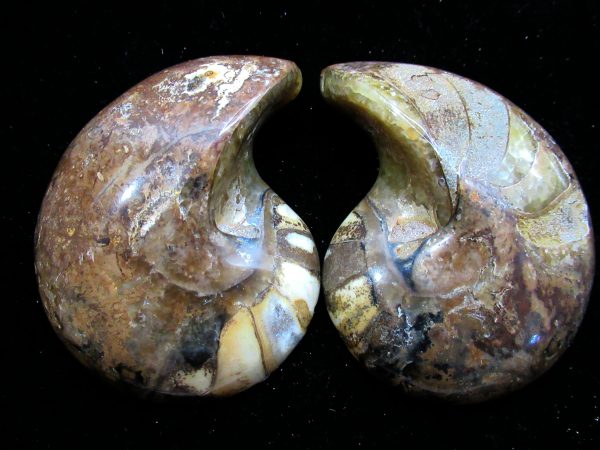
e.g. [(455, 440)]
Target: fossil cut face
[(163, 259), (465, 271)]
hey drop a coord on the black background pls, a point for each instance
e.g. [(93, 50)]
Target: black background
[(60, 67)]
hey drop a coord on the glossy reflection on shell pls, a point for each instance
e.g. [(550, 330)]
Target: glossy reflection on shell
[(163, 259), (465, 271)]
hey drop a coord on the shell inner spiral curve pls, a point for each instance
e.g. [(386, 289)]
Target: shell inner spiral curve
[(162, 257), (465, 271)]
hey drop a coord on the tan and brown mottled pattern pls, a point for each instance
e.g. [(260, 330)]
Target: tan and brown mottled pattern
[(160, 252), (466, 270)]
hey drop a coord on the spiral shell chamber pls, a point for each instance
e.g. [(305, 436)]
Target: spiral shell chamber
[(163, 259), (472, 255)]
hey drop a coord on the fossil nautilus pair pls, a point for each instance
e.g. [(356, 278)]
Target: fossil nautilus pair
[(166, 262)]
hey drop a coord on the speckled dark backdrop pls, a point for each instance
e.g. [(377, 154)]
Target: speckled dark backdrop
[(60, 67)]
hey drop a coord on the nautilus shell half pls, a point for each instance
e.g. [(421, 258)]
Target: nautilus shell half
[(163, 259), (465, 271)]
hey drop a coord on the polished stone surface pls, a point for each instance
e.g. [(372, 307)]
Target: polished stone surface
[(465, 271), (163, 259)]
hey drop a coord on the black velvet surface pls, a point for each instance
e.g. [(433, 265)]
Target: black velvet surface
[(61, 66)]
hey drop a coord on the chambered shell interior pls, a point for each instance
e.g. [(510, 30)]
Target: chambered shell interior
[(163, 259), (465, 271)]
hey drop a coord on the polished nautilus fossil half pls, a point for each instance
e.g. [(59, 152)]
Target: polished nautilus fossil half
[(465, 271), (163, 259)]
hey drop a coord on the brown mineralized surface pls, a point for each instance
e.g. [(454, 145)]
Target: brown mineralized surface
[(163, 259), (465, 271)]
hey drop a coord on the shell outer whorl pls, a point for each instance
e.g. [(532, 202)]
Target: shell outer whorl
[(163, 259), (471, 258)]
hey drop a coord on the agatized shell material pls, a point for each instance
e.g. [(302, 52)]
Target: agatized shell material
[(163, 259), (465, 271)]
